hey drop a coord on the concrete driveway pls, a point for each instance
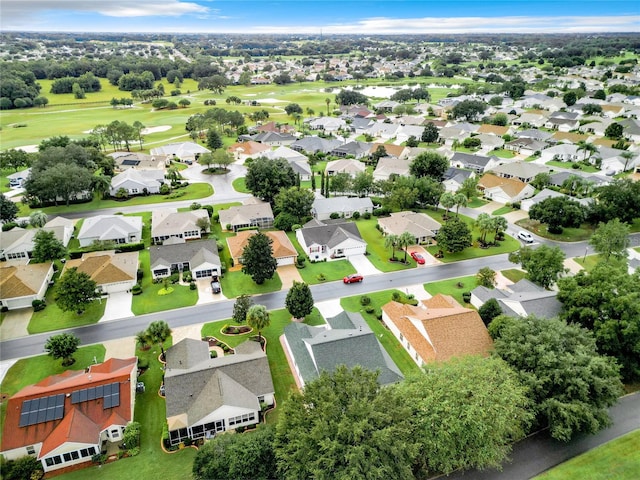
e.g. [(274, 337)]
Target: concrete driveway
[(329, 308), (118, 306), (205, 295), (15, 324), (362, 265), (288, 273), (428, 258)]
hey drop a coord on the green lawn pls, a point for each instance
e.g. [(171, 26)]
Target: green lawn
[(451, 287), (283, 380), (514, 274), (193, 191), (335, 270), (53, 318), (378, 254), (239, 185), (236, 283), (588, 262), (28, 371), (584, 168), (502, 153), (396, 351), (477, 202), (150, 411), (567, 235), (618, 459), (509, 244), (503, 210), (149, 301)]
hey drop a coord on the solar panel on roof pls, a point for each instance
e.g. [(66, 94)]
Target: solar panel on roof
[(98, 391), (91, 394), (130, 162), (59, 412), (41, 410), (83, 395), (75, 397)]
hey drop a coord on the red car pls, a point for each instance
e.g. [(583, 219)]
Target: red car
[(353, 278), (418, 258)]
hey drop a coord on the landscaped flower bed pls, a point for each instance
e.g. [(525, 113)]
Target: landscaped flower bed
[(236, 329), (214, 342)]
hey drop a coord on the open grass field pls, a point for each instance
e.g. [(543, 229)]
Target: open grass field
[(567, 235), (618, 459), (514, 274), (397, 353), (28, 371), (452, 287)]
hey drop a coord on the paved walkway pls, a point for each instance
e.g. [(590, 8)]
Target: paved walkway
[(362, 265), (190, 331), (121, 348), (118, 306), (329, 308), (287, 274)]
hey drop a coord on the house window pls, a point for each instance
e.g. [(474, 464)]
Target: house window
[(134, 190), (30, 450), (115, 433), (401, 337)]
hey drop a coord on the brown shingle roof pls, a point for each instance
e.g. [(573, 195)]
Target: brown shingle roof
[(22, 280), (107, 266), (511, 186), (282, 246), (441, 329)]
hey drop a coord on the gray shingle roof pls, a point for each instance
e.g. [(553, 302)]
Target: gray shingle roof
[(332, 234), (195, 252)]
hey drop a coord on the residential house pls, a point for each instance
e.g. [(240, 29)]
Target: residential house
[(198, 256), (322, 208), (565, 152), (387, 105), (21, 284), (533, 133), (329, 241), (504, 190), (562, 124), (185, 151), (406, 131), (274, 139), (477, 163), (495, 130), (391, 166), (19, 242), (391, 149), (66, 419), (315, 144), (353, 149), (420, 225), (167, 223), (137, 182), (489, 142), (345, 339), (254, 214), (206, 396), (453, 178), (521, 299), (110, 228), (383, 131), (113, 272), (138, 161), (532, 119), (545, 193), (243, 150), (448, 135), (350, 166), (525, 146), (283, 250), (523, 171), (299, 162), (437, 330), (326, 124)]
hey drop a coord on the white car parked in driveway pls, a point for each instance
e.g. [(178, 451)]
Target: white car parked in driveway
[(525, 236)]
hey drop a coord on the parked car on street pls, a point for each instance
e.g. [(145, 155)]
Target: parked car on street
[(525, 236), (353, 278)]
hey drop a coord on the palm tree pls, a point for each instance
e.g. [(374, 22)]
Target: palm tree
[(310, 111), (328, 102), (158, 332), (499, 224), (627, 156), (38, 219), (404, 240), (142, 339), (447, 200), (484, 224), (138, 126), (258, 318), (101, 184), (587, 148), (460, 200), (391, 241)]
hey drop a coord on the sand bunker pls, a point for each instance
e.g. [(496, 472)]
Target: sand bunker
[(28, 148), (161, 128), (271, 100)]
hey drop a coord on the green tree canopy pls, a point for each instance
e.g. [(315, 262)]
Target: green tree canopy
[(214, 140), (570, 383), (466, 413), (247, 456), (430, 133), (558, 212), (468, 109), (344, 426), (75, 290), (611, 239), (429, 164), (241, 307), (8, 209), (296, 202), (47, 247), (265, 178), (607, 301), (258, 318), (299, 301), (543, 264), (257, 258), (62, 346), (454, 236)]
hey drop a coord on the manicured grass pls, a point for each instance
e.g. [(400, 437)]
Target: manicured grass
[(503, 210), (53, 318), (451, 287), (236, 283), (281, 375), (588, 262), (567, 235), (193, 191), (509, 244), (28, 371), (378, 254), (584, 168), (149, 301), (476, 202), (150, 411), (514, 274), (618, 459), (502, 153), (239, 185), (334, 270), (397, 353)]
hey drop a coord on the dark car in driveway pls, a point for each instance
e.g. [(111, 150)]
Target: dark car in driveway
[(215, 285)]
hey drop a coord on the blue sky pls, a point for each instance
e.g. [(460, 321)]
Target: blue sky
[(311, 16)]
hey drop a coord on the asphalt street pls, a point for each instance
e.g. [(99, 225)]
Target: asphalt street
[(540, 452)]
